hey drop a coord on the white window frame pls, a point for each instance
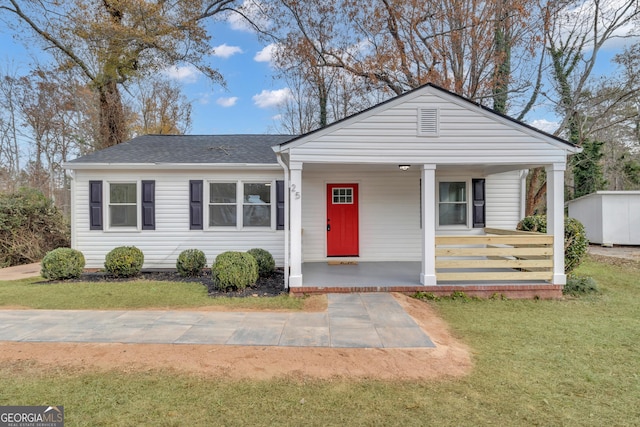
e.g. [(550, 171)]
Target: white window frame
[(208, 205), (240, 204), (468, 203), (107, 206)]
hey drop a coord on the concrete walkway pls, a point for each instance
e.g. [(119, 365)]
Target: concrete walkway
[(20, 271), (351, 321)]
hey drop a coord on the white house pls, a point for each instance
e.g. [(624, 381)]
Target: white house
[(419, 192)]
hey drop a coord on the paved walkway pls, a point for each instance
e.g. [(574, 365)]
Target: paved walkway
[(368, 320)]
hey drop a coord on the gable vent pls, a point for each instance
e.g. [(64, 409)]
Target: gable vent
[(428, 121)]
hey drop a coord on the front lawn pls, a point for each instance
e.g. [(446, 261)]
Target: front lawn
[(571, 363), (36, 293)]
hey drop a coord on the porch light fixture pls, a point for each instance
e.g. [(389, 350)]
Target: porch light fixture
[(404, 167)]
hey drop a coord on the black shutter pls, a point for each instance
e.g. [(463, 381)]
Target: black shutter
[(478, 203), (148, 205), (280, 205), (95, 205), (196, 204)]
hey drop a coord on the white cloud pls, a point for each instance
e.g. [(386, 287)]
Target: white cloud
[(227, 102), (225, 51), (187, 74), (545, 125), (272, 98), (266, 54)]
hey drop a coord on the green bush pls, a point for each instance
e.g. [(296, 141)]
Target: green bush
[(124, 261), (234, 270), (30, 226), (191, 262), (575, 238), (266, 264), (62, 263), (580, 285)]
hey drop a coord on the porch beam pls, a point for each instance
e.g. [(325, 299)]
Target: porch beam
[(295, 222), (555, 218), (428, 274)]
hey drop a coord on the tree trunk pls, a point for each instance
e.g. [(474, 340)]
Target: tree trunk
[(536, 192), (112, 120)]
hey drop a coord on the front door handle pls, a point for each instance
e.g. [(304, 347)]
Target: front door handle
[(328, 227)]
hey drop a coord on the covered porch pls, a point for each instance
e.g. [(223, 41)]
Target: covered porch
[(402, 195), (501, 262)]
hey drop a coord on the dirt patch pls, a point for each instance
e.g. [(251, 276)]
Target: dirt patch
[(449, 359)]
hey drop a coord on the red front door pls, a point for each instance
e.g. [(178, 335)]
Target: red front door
[(342, 220)]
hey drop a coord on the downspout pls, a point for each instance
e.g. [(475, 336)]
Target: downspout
[(72, 201), (286, 218)]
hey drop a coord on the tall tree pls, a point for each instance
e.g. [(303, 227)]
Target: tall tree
[(160, 108), (398, 45), (576, 31), (111, 42)]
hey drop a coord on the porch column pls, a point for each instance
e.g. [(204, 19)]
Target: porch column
[(428, 274), (295, 223), (555, 218)]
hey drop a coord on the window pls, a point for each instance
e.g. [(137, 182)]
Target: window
[(343, 196), (222, 204), (123, 203), (452, 203), (256, 209)]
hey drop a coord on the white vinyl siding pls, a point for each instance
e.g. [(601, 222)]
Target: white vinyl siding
[(502, 201), (467, 135), (389, 212), (162, 246), (389, 209)]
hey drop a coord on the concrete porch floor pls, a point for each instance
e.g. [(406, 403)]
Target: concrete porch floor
[(401, 276)]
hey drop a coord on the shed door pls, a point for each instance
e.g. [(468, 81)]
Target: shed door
[(342, 220)]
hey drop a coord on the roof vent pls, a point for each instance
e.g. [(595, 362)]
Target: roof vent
[(428, 121)]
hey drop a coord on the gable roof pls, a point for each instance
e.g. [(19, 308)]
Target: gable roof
[(188, 149), (301, 139)]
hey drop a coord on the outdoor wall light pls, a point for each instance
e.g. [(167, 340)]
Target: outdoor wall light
[(404, 167)]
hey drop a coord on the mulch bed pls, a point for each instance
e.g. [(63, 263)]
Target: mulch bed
[(265, 287)]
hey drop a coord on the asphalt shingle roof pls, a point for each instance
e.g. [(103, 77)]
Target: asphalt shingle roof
[(253, 149)]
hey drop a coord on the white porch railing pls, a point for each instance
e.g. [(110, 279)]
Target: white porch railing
[(499, 255)]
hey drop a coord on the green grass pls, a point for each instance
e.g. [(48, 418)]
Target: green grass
[(549, 363), (34, 293)]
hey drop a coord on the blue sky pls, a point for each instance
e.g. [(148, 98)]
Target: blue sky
[(249, 102)]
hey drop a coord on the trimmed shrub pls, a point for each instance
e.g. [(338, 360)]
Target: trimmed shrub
[(124, 261), (191, 262), (575, 238), (234, 270), (62, 263), (580, 285), (266, 264)]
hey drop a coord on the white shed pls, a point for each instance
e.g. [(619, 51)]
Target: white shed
[(609, 217)]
